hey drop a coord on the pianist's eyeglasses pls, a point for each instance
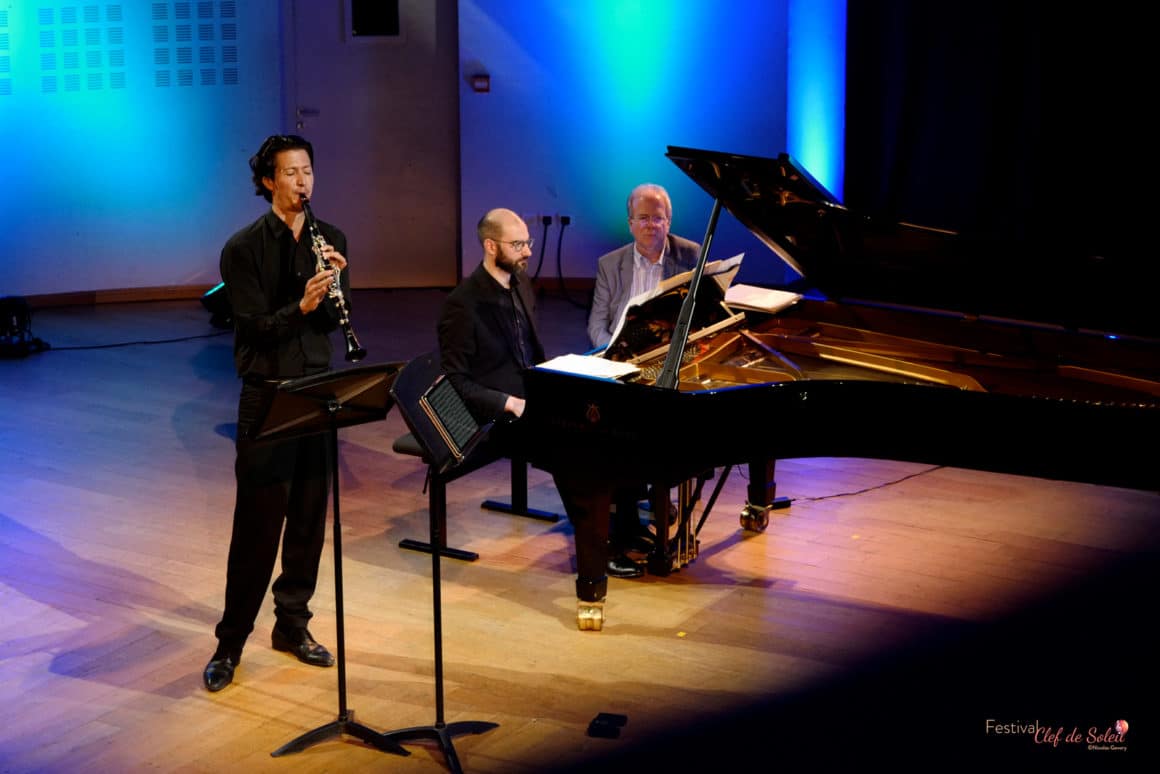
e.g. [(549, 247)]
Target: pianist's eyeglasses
[(656, 220), (519, 244)]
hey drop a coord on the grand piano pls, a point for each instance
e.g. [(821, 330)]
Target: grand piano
[(908, 343)]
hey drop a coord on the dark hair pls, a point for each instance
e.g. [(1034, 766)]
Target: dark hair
[(262, 162)]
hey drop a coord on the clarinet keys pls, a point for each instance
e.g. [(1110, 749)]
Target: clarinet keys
[(354, 351)]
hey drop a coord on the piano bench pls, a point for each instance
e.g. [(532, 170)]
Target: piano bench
[(408, 444)]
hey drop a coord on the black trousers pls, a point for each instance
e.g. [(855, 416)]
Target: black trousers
[(282, 490), (626, 523)]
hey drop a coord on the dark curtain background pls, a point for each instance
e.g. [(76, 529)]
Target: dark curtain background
[(1025, 126)]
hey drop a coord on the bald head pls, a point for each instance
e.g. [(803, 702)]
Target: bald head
[(496, 223), (503, 235)]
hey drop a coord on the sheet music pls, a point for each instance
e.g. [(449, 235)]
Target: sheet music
[(450, 417), (760, 299), (590, 365), (722, 272), (452, 413)]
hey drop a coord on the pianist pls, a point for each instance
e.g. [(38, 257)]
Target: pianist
[(652, 256), (487, 339), (637, 267), (487, 329)]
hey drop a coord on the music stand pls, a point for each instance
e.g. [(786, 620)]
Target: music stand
[(444, 428), (454, 437), (322, 403)]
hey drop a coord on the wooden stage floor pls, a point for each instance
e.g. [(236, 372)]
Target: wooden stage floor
[(895, 611)]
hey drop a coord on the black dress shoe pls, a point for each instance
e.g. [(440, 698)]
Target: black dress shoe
[(219, 672), (620, 566), (302, 645)]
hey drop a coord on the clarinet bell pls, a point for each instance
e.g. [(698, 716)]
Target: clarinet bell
[(354, 351)]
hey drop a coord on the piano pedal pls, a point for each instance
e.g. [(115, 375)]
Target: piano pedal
[(590, 615), (687, 555), (694, 551)]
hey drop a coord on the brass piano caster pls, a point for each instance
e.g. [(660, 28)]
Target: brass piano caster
[(755, 518), (590, 615)]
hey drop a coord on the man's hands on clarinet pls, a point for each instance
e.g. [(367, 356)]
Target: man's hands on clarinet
[(319, 285)]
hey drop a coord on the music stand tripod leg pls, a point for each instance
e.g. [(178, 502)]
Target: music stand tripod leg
[(440, 732), (345, 723), (443, 735)]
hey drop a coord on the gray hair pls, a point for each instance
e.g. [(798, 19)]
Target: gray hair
[(644, 188)]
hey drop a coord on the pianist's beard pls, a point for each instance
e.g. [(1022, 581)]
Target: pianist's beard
[(513, 266)]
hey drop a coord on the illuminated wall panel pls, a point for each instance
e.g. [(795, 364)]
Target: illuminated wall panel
[(816, 89), (128, 126), (585, 98)]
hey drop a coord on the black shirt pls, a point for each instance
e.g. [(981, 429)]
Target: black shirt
[(519, 330), (265, 271)]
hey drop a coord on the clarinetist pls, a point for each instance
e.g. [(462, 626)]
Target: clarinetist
[(282, 321)]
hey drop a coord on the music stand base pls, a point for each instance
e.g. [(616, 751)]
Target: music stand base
[(340, 726), (450, 553), (531, 513), (442, 733)]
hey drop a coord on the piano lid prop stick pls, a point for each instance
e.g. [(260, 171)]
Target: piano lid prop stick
[(668, 378)]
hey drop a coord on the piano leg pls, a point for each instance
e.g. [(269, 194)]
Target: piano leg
[(760, 497), (588, 503)]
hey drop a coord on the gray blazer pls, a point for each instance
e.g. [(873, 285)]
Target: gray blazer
[(614, 283)]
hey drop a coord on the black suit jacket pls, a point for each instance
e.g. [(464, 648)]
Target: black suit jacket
[(477, 344)]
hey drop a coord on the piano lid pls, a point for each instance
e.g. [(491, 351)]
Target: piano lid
[(855, 258)]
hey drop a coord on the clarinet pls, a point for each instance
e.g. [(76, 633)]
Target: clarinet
[(354, 351)]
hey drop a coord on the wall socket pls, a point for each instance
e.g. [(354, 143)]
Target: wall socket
[(536, 219), (533, 219)]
